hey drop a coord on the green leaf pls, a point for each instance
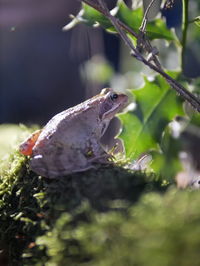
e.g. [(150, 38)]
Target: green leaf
[(157, 105)]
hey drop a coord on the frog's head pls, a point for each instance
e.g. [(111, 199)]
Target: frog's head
[(112, 103)]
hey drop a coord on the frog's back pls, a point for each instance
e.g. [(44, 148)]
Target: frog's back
[(70, 126)]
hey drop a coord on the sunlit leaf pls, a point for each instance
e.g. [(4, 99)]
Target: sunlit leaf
[(157, 105)]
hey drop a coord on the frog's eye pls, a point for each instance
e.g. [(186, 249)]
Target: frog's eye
[(114, 96)]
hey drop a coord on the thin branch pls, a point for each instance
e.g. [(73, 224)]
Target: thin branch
[(119, 26)]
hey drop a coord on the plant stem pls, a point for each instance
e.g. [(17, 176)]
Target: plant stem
[(185, 23)]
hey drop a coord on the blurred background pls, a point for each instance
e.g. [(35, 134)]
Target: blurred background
[(40, 66), (44, 70)]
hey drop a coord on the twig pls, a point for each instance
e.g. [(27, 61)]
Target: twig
[(119, 26)]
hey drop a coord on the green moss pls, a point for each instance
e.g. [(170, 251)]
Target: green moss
[(112, 216)]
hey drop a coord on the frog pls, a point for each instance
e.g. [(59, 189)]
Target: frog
[(71, 141)]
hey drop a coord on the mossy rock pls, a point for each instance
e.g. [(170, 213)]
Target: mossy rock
[(108, 216)]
